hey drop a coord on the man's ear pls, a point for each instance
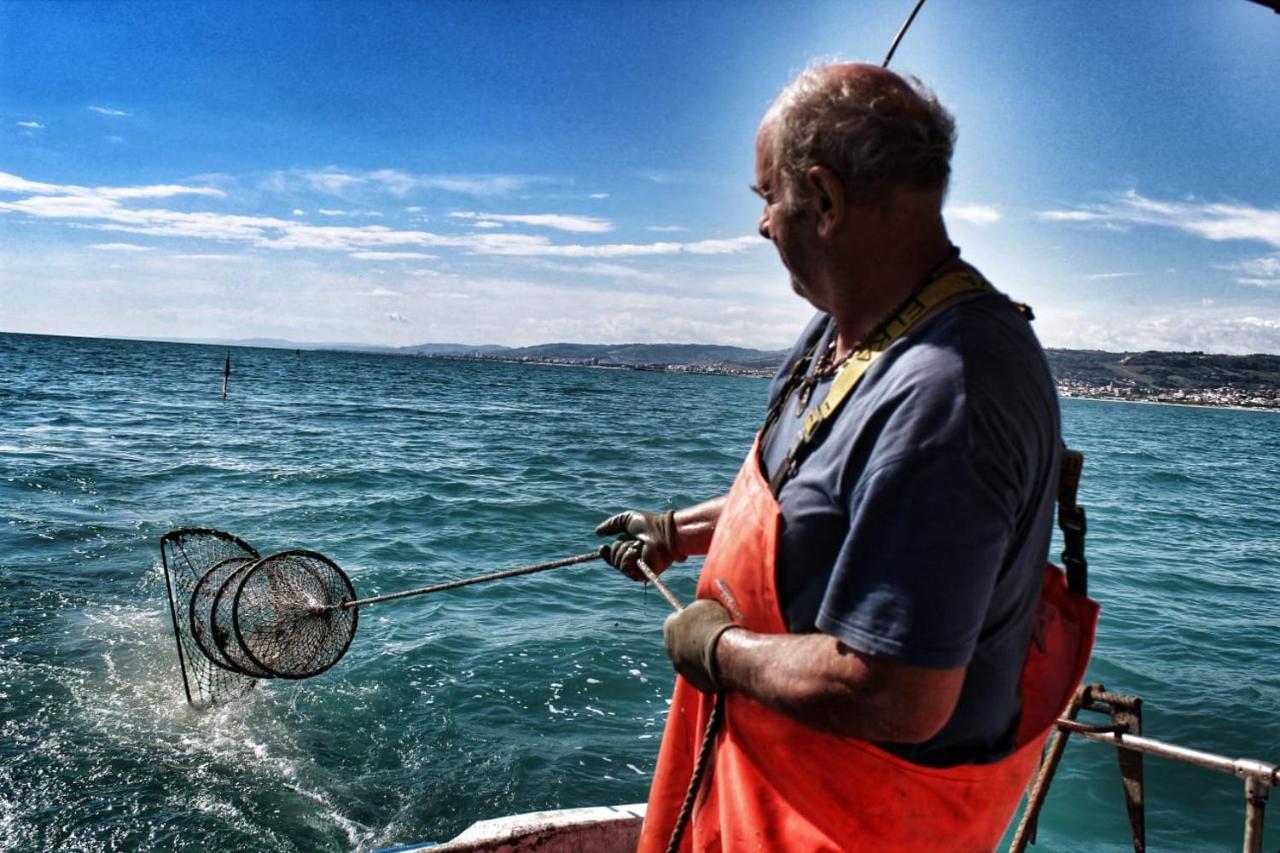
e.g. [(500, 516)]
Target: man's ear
[(829, 199)]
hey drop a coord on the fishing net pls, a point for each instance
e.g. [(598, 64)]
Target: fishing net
[(209, 638), (223, 626), (187, 556), (289, 616)]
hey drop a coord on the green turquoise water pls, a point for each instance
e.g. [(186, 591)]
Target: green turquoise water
[(540, 692)]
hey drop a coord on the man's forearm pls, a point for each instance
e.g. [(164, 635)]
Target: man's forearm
[(818, 681), (696, 524)]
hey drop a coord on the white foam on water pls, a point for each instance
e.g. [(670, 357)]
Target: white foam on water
[(9, 828), (138, 704)]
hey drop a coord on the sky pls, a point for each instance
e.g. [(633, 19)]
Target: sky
[(530, 172)]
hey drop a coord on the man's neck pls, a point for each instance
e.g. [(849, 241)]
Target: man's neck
[(870, 294)]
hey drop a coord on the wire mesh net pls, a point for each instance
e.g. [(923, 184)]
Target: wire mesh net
[(223, 626), (187, 556), (201, 610), (288, 616)]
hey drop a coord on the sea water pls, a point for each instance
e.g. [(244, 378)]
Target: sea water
[(538, 692)]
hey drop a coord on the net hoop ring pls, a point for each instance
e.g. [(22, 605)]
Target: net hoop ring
[(204, 586), (247, 665), (346, 592)]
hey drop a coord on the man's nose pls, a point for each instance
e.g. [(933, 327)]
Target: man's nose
[(764, 226)]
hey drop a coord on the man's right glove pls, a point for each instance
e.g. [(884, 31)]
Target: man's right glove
[(692, 636), (643, 535)]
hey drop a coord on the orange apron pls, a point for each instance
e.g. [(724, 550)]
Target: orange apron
[(776, 784)]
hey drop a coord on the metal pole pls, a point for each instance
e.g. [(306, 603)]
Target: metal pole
[(1256, 792), (492, 576), (1245, 768)]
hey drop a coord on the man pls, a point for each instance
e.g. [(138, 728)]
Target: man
[(875, 574)]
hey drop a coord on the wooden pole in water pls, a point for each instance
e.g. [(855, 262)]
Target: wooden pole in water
[(226, 375)]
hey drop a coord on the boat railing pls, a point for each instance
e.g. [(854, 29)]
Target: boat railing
[(1124, 733)]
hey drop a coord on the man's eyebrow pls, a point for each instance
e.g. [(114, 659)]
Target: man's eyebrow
[(760, 191)]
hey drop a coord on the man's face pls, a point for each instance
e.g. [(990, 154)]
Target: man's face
[(779, 226)]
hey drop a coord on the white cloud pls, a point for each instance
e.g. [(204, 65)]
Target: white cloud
[(535, 247), (1268, 266), (332, 181), (665, 229), (120, 247), (103, 208), (1210, 220), (392, 256), (1206, 328), (480, 185), (486, 223), (339, 182), (974, 214), (209, 257), (598, 195), (158, 191), (13, 184), (603, 268), (558, 221), (325, 211), (33, 125), (662, 178), (297, 211), (723, 247), (1105, 275), (383, 293), (396, 317), (106, 111), (1257, 272)]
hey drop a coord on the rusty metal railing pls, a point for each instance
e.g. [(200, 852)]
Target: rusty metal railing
[(1124, 733)]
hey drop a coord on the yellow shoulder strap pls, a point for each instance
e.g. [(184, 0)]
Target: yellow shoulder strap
[(935, 293), (932, 295)]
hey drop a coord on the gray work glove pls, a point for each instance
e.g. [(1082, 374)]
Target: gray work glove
[(649, 536), (692, 636)]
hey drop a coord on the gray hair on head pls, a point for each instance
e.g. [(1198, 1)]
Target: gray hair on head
[(877, 131)]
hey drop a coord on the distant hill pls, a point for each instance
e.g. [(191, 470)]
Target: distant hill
[(1166, 371), (449, 349), (1141, 371), (635, 355), (1149, 372)]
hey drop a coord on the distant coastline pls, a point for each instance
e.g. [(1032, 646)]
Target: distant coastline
[(1173, 378), (1179, 379)]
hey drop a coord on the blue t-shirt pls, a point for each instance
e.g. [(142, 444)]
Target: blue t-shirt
[(918, 526)]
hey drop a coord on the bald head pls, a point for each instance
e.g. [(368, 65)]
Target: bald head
[(877, 131)]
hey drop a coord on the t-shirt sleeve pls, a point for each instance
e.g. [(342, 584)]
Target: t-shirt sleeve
[(916, 573)]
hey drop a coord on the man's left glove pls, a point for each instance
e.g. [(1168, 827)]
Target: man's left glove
[(650, 536), (692, 636)]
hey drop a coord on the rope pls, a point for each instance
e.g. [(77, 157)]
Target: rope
[(708, 737), (699, 771), (652, 577)]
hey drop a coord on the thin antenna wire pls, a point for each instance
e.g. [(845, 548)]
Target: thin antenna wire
[(902, 32)]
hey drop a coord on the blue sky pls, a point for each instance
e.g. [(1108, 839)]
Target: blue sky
[(520, 172)]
